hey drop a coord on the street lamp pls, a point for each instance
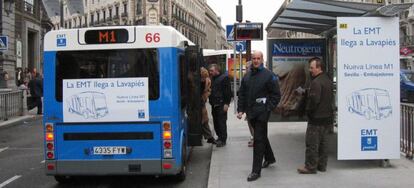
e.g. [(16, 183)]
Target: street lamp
[(8, 6)]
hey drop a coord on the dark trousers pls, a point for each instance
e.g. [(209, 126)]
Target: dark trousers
[(316, 147), (38, 101), (261, 145), (219, 120)]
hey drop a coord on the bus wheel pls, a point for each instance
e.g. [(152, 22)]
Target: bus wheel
[(183, 173), (63, 179)]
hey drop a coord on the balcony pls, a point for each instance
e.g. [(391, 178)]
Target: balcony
[(29, 8), (125, 14), (116, 17), (407, 40)]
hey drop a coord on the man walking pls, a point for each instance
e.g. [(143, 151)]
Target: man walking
[(219, 99), (36, 91), (319, 108), (258, 96)]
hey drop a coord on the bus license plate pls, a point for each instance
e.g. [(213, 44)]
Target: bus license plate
[(109, 150)]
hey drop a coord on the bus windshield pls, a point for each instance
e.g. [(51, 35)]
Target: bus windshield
[(120, 63)]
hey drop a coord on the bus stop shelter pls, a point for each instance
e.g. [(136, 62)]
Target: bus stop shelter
[(319, 17)]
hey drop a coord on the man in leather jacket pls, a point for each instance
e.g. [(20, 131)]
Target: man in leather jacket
[(220, 99)]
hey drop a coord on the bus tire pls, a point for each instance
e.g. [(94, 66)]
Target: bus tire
[(63, 179), (183, 173)]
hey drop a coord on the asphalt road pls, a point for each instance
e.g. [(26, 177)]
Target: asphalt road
[(22, 164)]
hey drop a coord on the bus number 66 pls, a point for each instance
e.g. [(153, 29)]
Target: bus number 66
[(150, 37)]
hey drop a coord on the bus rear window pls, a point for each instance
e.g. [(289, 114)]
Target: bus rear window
[(108, 64)]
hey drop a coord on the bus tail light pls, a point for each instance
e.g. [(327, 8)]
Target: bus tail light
[(168, 153), (49, 137), (166, 165), (166, 125), (49, 127), (50, 155), (49, 146), (167, 144), (167, 135), (50, 167)]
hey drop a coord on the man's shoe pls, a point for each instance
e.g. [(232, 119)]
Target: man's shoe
[(253, 176), (322, 169), (220, 144), (211, 141), (267, 163), (304, 170)]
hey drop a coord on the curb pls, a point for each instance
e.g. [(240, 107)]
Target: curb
[(19, 120)]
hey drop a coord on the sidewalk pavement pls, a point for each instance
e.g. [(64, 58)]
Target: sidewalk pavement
[(230, 165), (31, 115)]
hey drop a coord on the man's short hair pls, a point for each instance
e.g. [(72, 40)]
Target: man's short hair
[(215, 66), (318, 61)]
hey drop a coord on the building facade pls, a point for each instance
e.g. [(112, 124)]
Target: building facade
[(24, 23), (187, 16)]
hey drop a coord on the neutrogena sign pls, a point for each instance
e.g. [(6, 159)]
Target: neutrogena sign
[(289, 49)]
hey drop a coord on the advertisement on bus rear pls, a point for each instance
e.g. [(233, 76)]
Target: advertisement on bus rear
[(368, 88), (105, 100), (288, 59)]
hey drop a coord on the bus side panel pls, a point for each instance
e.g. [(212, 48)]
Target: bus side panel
[(170, 91), (52, 109)]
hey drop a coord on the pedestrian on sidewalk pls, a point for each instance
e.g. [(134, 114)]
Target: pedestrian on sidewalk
[(36, 91), (250, 142), (220, 99), (205, 93), (258, 95), (319, 109)]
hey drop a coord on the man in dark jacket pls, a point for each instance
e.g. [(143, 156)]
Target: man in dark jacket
[(219, 99), (258, 95), (36, 91), (319, 108)]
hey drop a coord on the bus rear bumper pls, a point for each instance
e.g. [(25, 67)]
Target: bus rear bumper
[(110, 167)]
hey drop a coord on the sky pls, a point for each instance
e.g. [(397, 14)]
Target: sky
[(253, 10)]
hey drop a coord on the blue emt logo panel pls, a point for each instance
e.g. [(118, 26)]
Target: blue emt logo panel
[(61, 40), (141, 114), (369, 140)]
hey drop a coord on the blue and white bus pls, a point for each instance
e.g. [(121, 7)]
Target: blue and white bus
[(120, 101)]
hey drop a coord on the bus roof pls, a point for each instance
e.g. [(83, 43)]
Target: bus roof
[(212, 52), (114, 37)]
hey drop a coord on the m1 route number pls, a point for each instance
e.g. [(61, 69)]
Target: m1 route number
[(152, 37)]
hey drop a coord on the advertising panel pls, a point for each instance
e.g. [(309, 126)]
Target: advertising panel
[(105, 100), (289, 61), (368, 88)]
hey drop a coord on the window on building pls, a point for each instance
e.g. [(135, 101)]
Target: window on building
[(86, 3), (165, 7), (110, 12), (104, 15), (116, 10), (125, 8), (92, 18), (139, 7), (97, 17), (70, 24), (86, 20)]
